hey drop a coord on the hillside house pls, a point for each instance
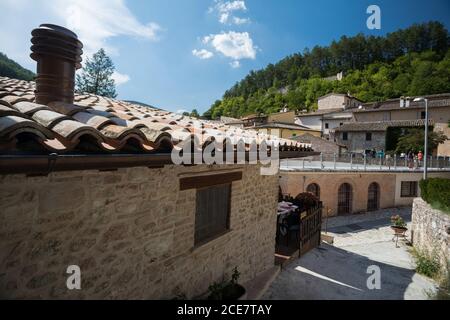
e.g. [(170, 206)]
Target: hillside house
[(333, 110), (402, 109)]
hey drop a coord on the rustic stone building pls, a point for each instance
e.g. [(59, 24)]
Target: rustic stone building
[(131, 232), (89, 181), (406, 109), (368, 136)]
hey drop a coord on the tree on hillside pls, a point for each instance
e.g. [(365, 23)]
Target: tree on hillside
[(412, 61), (194, 113), (414, 141), (96, 76), (11, 69)]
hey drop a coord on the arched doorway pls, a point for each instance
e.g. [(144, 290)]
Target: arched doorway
[(345, 196), (373, 199), (314, 189)]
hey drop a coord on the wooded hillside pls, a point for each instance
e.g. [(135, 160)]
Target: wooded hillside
[(412, 61)]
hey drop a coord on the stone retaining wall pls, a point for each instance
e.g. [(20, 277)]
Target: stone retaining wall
[(131, 231), (431, 230)]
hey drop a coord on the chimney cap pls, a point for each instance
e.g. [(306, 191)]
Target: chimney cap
[(57, 51), (57, 28), (57, 41)]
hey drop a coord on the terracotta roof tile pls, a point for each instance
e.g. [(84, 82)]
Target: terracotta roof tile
[(92, 120), (48, 118), (381, 125), (103, 124), (72, 130), (29, 108), (66, 108), (12, 99), (10, 126), (8, 111)]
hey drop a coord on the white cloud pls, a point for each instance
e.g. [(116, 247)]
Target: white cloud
[(235, 45), (202, 54), (235, 64), (181, 111), (238, 20), (120, 78), (99, 20), (95, 22), (226, 10)]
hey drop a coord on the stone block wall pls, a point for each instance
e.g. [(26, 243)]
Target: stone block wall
[(331, 102), (431, 230), (131, 231), (356, 140)]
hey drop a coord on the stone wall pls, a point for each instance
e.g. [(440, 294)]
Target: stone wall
[(131, 231), (331, 102), (356, 140), (431, 230)]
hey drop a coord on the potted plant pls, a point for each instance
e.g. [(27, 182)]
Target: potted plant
[(227, 290), (398, 225)]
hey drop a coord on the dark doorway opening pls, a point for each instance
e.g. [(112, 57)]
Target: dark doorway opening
[(345, 196), (373, 200)]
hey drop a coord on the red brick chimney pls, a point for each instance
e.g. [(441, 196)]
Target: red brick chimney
[(57, 51)]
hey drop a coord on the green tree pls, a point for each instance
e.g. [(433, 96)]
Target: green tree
[(96, 76), (414, 141), (194, 113)]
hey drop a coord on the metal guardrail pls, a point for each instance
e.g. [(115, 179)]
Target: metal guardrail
[(358, 162)]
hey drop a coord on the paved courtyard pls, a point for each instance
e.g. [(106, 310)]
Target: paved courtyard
[(339, 271)]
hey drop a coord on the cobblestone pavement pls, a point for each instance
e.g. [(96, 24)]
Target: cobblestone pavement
[(340, 271)]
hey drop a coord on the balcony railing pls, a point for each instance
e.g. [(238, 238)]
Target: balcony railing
[(361, 162)]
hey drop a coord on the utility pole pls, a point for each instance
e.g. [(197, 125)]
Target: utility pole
[(425, 151)]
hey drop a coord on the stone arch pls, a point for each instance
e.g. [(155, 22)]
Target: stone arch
[(314, 188)]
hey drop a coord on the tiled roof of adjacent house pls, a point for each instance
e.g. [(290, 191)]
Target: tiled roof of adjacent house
[(320, 144), (320, 112), (434, 101), (95, 124), (381, 125), (338, 94), (285, 125)]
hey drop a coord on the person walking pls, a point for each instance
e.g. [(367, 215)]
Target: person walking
[(410, 159), (419, 158)]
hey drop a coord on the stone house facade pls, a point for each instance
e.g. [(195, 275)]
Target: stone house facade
[(401, 110), (363, 136), (337, 100), (359, 141), (131, 232)]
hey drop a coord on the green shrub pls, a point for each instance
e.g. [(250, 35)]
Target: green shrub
[(443, 292), (427, 264), (423, 184), (436, 191)]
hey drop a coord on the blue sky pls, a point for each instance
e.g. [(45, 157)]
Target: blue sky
[(183, 54)]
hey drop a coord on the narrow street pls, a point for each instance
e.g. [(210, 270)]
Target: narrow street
[(340, 271)]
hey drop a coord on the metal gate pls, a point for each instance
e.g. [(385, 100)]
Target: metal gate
[(345, 196), (310, 227), (373, 199)]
